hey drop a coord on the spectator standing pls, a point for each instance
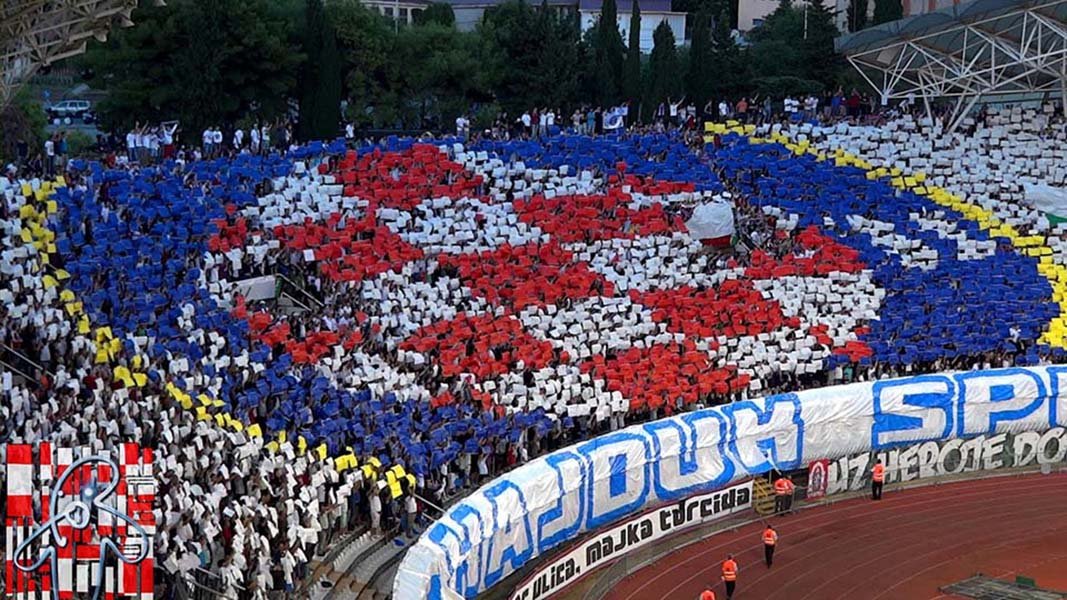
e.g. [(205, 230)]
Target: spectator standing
[(207, 140), (216, 141), (50, 156), (254, 137), (375, 509), (62, 150), (264, 135), (411, 510), (742, 110), (527, 122)]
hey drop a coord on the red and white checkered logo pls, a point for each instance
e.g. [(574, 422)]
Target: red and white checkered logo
[(79, 522)]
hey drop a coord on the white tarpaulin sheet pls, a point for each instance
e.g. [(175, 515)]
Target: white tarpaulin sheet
[(1047, 199), (257, 288), (552, 500), (711, 220)]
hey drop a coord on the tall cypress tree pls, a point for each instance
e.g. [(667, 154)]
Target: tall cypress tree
[(320, 101), (665, 79), (887, 10), (700, 77), (609, 51), (857, 15), (631, 78)]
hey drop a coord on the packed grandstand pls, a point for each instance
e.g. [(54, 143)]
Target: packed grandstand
[(312, 341)]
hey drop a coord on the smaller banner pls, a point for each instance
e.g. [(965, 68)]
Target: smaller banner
[(818, 477), (929, 460), (633, 534)]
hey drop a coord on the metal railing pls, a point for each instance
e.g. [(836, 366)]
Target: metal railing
[(290, 288), (22, 365)]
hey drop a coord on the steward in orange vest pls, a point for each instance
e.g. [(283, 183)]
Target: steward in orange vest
[(729, 575), (707, 595), (783, 495), (770, 538), (877, 479)]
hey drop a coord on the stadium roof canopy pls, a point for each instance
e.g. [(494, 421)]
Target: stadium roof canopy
[(37, 33), (965, 52)]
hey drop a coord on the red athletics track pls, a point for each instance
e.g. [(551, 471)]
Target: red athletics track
[(904, 547)]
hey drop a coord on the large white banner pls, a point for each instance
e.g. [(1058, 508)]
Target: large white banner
[(631, 535), (520, 516)]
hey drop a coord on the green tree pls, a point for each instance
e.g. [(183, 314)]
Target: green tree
[(608, 55), (631, 77), (700, 78), (824, 63), (730, 72), (664, 74), (22, 119), (530, 57), (320, 101), (370, 71), (887, 10), (205, 63), (437, 68), (784, 48), (857, 15), (437, 12)]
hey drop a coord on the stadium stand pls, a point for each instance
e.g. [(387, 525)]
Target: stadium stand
[(454, 311)]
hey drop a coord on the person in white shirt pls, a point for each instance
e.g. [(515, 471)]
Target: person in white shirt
[(238, 138), (208, 139), (139, 144), (50, 156), (724, 109), (253, 135), (673, 107), (131, 144), (152, 145), (350, 132), (264, 138), (375, 509), (526, 122), (811, 105), (216, 140), (167, 139), (411, 510)]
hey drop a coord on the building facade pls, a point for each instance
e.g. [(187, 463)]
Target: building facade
[(653, 12), (470, 12), (918, 7), (751, 13), (402, 10)]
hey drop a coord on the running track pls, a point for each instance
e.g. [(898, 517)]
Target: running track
[(903, 547)]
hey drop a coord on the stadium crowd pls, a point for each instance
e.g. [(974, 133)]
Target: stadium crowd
[(466, 308)]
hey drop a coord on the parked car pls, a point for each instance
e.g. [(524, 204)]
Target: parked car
[(72, 109)]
